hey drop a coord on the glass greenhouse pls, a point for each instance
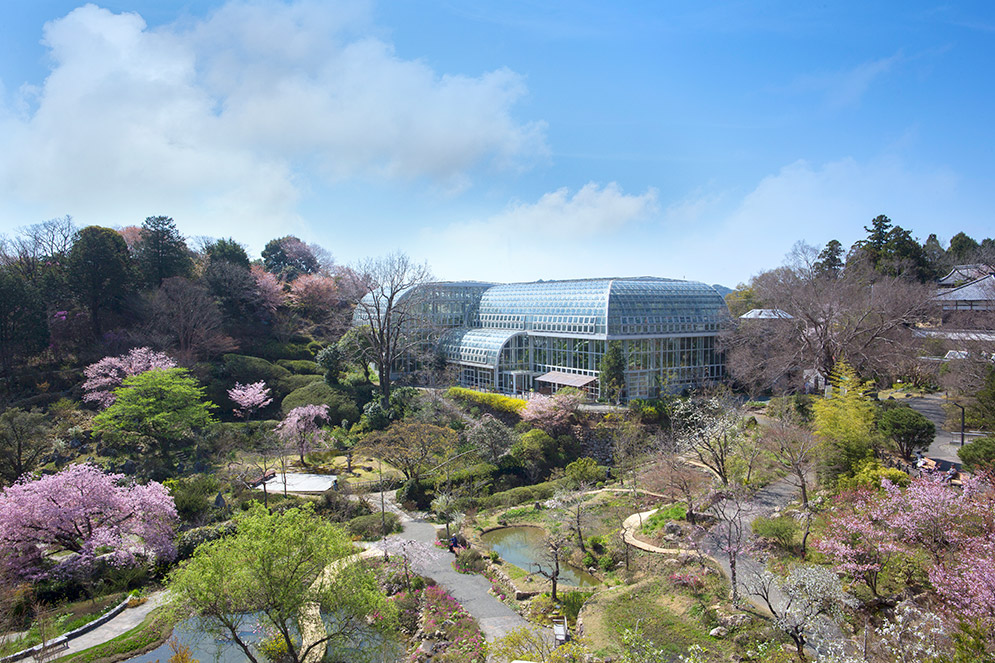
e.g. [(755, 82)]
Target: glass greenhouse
[(522, 337)]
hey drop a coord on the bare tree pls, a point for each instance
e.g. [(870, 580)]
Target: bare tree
[(390, 312), (860, 314), (186, 319), (729, 508), (795, 449), (685, 483), (548, 565)]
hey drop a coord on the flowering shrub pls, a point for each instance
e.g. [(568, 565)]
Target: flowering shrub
[(443, 612), (689, 579), (493, 401)]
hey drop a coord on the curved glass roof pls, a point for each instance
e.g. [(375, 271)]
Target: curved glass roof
[(604, 307), (444, 303), (475, 346)]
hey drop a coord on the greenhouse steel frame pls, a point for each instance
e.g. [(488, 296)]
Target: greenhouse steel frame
[(504, 337)]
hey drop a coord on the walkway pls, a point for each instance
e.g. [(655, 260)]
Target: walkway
[(126, 620), (495, 618)]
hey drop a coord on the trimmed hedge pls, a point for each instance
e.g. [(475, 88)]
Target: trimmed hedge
[(300, 366), (246, 369), (340, 406), (295, 382), (370, 528), (497, 402), (522, 495)]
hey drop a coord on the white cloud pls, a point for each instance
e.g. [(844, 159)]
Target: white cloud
[(228, 116), (558, 236)]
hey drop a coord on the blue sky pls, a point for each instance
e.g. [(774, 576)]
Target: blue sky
[(505, 140)]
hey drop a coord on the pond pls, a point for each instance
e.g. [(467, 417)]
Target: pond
[(206, 648), (523, 547)]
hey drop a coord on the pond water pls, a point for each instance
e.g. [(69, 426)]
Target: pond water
[(206, 648), (523, 546)]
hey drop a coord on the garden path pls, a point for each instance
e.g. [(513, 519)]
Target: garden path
[(123, 622), (495, 618)]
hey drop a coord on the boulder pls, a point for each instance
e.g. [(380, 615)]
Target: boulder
[(719, 632)]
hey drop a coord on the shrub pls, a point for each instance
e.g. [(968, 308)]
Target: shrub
[(692, 580), (301, 366), (497, 402), (188, 541), (294, 382), (521, 495), (572, 602), (370, 527), (870, 473), (469, 560), (414, 493), (340, 406), (193, 496), (336, 506), (606, 562), (246, 369), (780, 530)]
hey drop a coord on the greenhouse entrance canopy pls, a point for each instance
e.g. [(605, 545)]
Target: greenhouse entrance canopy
[(566, 379)]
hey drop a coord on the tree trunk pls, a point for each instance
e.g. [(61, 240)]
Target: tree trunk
[(804, 488), (580, 535), (732, 577)]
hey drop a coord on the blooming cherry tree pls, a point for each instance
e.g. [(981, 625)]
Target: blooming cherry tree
[(249, 398), (552, 413), (106, 375), (302, 426), (83, 510)]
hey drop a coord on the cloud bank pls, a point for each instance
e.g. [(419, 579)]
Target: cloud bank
[(239, 115)]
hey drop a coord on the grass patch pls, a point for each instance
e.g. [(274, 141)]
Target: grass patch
[(656, 522), (63, 619), (673, 622)]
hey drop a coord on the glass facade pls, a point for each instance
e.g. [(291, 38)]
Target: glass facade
[(504, 336)]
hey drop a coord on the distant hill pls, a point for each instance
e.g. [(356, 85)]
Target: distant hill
[(721, 289)]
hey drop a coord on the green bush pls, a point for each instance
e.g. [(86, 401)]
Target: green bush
[(274, 350), (288, 385), (521, 495), (469, 560), (870, 473), (300, 366), (781, 530), (979, 455), (370, 527), (246, 369), (340, 406), (193, 496), (572, 602), (497, 402), (188, 541)]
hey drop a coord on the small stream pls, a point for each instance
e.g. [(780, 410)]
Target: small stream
[(523, 547)]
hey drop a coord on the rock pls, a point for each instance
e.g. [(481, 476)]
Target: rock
[(129, 467), (672, 528), (672, 562), (719, 632), (733, 621), (670, 537)]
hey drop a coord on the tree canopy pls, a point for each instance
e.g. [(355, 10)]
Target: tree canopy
[(84, 510), (274, 568)]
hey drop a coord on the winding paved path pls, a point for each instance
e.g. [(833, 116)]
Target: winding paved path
[(123, 622), (495, 618)]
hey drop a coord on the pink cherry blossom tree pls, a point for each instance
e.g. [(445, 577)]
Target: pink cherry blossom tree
[(859, 537), (249, 398), (83, 510), (106, 375), (552, 413), (302, 427)]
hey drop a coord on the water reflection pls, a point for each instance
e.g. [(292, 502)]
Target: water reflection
[(523, 547)]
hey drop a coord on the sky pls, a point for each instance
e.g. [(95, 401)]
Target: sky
[(505, 140)]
